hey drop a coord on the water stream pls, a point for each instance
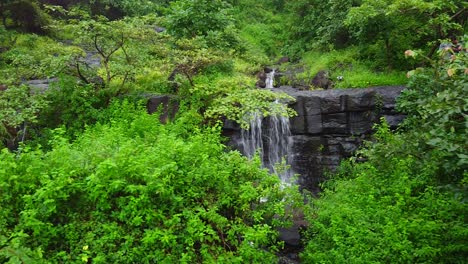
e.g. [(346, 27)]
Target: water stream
[(270, 78), (269, 137)]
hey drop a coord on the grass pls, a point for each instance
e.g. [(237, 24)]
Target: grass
[(355, 73)]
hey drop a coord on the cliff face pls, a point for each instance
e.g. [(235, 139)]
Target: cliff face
[(330, 126)]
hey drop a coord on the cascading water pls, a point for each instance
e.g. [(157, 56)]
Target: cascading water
[(270, 138), (270, 77), (278, 134), (251, 140)]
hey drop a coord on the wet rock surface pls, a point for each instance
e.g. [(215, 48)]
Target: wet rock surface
[(330, 126)]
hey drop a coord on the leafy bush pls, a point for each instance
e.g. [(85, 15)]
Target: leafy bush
[(34, 57), (135, 191), (19, 108), (407, 202), (72, 104), (387, 213), (437, 106)]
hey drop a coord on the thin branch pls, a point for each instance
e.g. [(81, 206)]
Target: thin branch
[(101, 52), (80, 74), (458, 13), (118, 46)]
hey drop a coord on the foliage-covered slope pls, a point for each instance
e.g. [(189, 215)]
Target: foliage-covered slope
[(136, 191), (408, 202)]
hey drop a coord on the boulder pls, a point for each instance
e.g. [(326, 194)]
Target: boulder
[(322, 80), (261, 83), (282, 60), (167, 104), (268, 69), (41, 85)]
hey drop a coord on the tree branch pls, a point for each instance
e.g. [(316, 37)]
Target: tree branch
[(80, 74)]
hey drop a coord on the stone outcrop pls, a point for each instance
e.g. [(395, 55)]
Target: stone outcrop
[(331, 125), (322, 80), (166, 105)]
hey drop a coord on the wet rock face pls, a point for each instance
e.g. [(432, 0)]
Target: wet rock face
[(166, 105), (331, 125)]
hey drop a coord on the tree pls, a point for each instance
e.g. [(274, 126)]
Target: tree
[(121, 45), (24, 15), (19, 108), (317, 24), (210, 19), (382, 26)]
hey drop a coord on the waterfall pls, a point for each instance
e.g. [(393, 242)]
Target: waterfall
[(270, 77), (270, 138), (251, 140)]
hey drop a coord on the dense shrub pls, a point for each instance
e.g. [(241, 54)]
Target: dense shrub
[(135, 191), (407, 202)]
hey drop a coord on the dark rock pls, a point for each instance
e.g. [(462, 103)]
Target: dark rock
[(261, 76), (297, 124), (41, 85), (298, 105), (335, 123), (167, 104), (283, 60), (361, 100), (231, 125), (322, 80), (394, 120), (306, 144), (312, 105), (314, 124), (268, 69), (348, 148), (361, 122), (331, 125), (289, 259), (260, 84), (333, 104), (290, 236), (159, 29), (92, 59)]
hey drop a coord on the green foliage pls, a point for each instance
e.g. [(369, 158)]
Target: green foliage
[(387, 214), (315, 23), (261, 28), (355, 72), (211, 20), (122, 46), (437, 105), (19, 107), (240, 104), (138, 191), (30, 56), (407, 202), (385, 24), (192, 56), (73, 105), (379, 27), (24, 15)]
